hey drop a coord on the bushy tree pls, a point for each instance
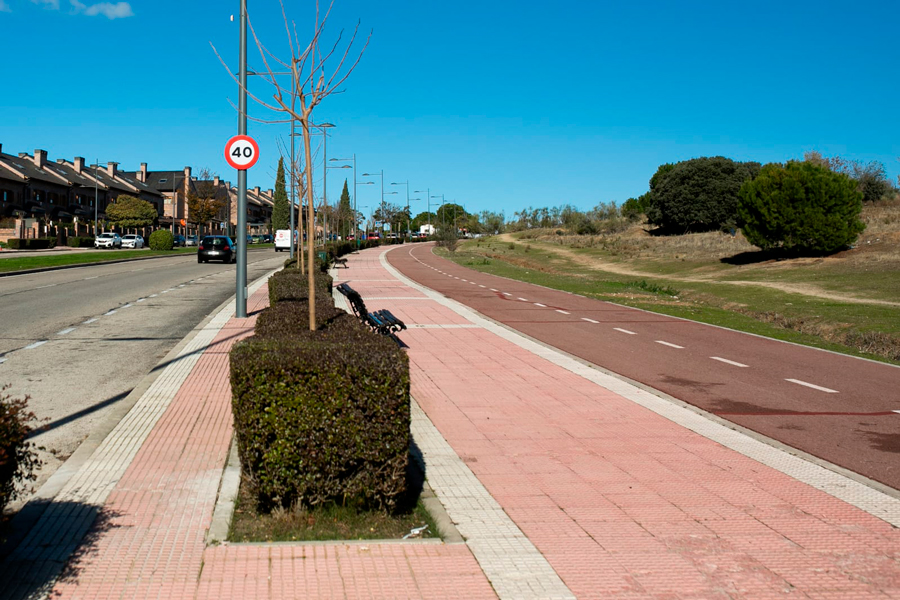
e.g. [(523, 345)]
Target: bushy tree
[(18, 459), (128, 211), (345, 212), (871, 179), (205, 198), (632, 209), (281, 209), (801, 207), (700, 194)]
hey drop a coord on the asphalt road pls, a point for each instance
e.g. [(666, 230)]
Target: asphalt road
[(77, 341), (842, 409)]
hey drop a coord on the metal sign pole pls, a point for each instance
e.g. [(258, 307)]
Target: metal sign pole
[(240, 296)]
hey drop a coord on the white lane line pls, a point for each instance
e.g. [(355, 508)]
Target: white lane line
[(65, 331), (481, 286), (670, 345), (813, 386), (2, 360), (728, 362), (563, 312), (541, 305), (464, 280), (165, 291), (181, 286), (473, 283), (141, 299), (507, 294), (589, 320), (35, 345), (624, 331), (524, 299), (94, 277), (153, 295), (40, 287), (896, 411), (492, 289), (129, 305), (112, 312), (89, 321)]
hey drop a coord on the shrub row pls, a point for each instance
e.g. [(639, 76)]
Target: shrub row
[(291, 284), (31, 244), (80, 242), (320, 416)]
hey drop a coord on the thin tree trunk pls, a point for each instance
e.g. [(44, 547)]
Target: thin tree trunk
[(309, 216)]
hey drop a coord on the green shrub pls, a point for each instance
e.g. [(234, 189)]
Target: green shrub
[(18, 459), (632, 209), (81, 242), (50, 242), (290, 318), (695, 195), (290, 284), (30, 243), (800, 207), (161, 239), (323, 417)]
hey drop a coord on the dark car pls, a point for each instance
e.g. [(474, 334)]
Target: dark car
[(216, 247), (178, 241), (267, 238)]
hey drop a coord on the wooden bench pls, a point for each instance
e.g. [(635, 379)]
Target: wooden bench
[(337, 260), (381, 321)]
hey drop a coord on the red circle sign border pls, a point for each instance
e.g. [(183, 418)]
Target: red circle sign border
[(247, 139)]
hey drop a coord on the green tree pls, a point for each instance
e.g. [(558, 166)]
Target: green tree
[(423, 218), (128, 211), (700, 194), (281, 209), (448, 212), (345, 212), (801, 207)]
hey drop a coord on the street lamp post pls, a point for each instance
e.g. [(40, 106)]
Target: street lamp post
[(367, 224), (240, 284), (408, 217), (354, 180), (379, 174)]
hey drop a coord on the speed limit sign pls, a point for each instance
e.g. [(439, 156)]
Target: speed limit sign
[(241, 152)]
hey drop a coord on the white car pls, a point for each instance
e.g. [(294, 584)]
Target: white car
[(108, 240), (132, 240)]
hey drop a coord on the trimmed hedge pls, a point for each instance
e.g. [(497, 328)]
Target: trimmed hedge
[(322, 416), (28, 244), (161, 239), (290, 318), (81, 242), (290, 284)]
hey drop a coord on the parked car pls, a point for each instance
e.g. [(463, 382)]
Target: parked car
[(132, 240), (179, 241), (216, 247), (108, 240), (190, 240), (256, 239), (267, 238)]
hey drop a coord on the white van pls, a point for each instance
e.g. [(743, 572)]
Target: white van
[(283, 240)]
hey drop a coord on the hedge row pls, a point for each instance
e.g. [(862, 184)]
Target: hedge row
[(320, 416), (80, 242), (31, 243), (293, 285)]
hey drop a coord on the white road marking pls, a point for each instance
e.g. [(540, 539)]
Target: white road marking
[(896, 411), (473, 283), (181, 286), (624, 331), (112, 312), (481, 286), (153, 295), (141, 299), (464, 280), (589, 320), (523, 299), (65, 331), (2, 360), (35, 345), (165, 292), (492, 289), (813, 386), (94, 277), (728, 362), (563, 312), (89, 321), (670, 345), (40, 287), (507, 294), (126, 306), (541, 305)]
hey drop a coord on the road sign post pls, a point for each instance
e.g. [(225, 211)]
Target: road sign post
[(241, 152)]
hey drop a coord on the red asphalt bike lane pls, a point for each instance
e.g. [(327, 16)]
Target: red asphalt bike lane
[(839, 408)]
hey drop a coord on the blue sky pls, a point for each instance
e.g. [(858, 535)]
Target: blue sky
[(498, 105)]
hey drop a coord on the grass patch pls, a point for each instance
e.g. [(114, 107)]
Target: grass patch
[(8, 265), (653, 288), (331, 522)]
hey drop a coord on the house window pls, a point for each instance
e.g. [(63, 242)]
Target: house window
[(4, 195)]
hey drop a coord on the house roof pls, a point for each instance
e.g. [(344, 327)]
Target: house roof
[(131, 179), (67, 170), (111, 183), (25, 165), (161, 181)]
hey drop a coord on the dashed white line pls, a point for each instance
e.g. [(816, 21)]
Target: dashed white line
[(94, 277), (40, 287), (165, 291), (492, 289), (89, 321), (141, 299), (153, 295), (523, 299), (66, 331), (813, 386), (481, 286), (473, 283), (129, 305), (541, 305), (728, 362), (2, 360), (35, 345), (624, 331), (464, 280), (589, 320), (669, 344), (111, 312), (563, 312), (507, 294)]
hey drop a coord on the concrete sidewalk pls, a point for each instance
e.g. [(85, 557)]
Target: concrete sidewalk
[(565, 483)]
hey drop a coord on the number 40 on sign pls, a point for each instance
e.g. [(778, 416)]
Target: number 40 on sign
[(241, 152)]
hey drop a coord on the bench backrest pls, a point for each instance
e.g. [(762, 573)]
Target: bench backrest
[(356, 301)]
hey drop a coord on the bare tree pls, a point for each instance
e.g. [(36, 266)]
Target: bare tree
[(205, 198), (314, 77)]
